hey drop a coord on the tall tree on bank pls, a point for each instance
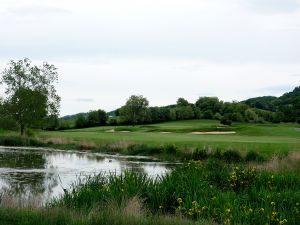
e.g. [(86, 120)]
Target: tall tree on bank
[(135, 109), (30, 92)]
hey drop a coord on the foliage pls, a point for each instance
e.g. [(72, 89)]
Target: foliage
[(286, 107), (81, 122), (134, 111), (181, 102), (30, 92), (225, 120), (196, 190), (110, 215), (265, 103), (96, 118)]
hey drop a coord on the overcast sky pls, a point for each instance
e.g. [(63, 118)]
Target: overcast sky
[(163, 49)]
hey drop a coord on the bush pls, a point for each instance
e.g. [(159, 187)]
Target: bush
[(242, 178), (226, 121), (170, 149), (200, 154), (12, 141), (232, 156), (29, 132), (253, 156), (139, 149)]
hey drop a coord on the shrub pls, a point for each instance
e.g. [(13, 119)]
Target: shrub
[(232, 156), (242, 178), (12, 141), (226, 121), (200, 154), (29, 132), (138, 149), (170, 149), (253, 156)]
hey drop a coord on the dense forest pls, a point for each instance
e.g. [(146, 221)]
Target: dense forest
[(285, 108)]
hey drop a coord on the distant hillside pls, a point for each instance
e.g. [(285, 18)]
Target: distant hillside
[(84, 114), (74, 116), (288, 104), (291, 97), (266, 103)]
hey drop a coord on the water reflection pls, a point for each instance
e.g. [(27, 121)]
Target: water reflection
[(44, 172)]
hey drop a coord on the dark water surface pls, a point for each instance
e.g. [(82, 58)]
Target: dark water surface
[(45, 172)]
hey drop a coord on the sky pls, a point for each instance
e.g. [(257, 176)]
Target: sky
[(106, 51)]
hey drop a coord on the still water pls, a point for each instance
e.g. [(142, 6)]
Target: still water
[(45, 172)]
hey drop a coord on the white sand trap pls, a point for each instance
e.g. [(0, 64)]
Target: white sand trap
[(297, 129), (110, 131), (165, 132), (125, 131), (215, 132)]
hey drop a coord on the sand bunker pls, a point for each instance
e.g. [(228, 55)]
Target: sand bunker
[(110, 131), (297, 129), (165, 132), (215, 132), (113, 131)]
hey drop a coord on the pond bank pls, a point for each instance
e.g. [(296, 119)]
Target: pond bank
[(164, 152)]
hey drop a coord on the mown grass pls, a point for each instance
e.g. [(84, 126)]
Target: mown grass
[(266, 138), (214, 191)]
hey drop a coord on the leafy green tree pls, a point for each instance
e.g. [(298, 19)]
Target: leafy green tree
[(81, 122), (182, 102), (135, 109), (226, 120), (51, 123), (209, 106), (27, 107), (96, 118), (30, 92), (6, 121), (184, 112), (251, 116)]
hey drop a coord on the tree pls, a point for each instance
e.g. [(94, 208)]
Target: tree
[(251, 116), (96, 118), (135, 109), (80, 121), (182, 102), (209, 106), (30, 92)]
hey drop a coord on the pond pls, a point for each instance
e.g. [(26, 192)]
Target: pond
[(44, 173)]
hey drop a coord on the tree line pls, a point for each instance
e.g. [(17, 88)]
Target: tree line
[(257, 110), (31, 101)]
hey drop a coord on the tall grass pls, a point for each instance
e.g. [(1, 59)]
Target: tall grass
[(99, 216), (199, 191)]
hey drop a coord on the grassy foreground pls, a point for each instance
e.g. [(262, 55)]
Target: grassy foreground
[(211, 192), (100, 216)]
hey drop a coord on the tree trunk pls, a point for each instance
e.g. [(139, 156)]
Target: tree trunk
[(22, 129)]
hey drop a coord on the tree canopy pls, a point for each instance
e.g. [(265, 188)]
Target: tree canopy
[(30, 92), (135, 109)]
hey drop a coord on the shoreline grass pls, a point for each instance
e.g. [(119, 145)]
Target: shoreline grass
[(266, 139), (212, 190)]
